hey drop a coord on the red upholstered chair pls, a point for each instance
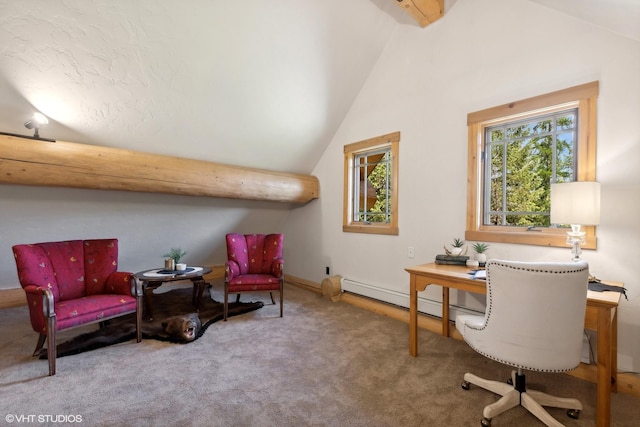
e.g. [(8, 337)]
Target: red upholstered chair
[(74, 283), (254, 264)]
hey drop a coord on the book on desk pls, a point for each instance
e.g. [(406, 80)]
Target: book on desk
[(452, 259)]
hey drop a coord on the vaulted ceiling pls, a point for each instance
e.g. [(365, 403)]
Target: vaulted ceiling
[(252, 83)]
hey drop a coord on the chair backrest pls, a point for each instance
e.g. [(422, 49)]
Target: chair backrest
[(70, 269), (535, 314), (254, 253)]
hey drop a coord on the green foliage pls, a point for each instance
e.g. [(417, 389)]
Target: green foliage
[(522, 166), (380, 179), (176, 254), (457, 243), (480, 247)]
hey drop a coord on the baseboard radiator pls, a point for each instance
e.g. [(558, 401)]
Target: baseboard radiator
[(425, 305)]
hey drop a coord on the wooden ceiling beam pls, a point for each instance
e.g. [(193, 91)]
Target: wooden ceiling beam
[(27, 161), (423, 11)]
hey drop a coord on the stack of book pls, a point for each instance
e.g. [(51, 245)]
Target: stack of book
[(452, 259)]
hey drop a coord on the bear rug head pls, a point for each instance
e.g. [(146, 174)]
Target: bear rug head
[(183, 328)]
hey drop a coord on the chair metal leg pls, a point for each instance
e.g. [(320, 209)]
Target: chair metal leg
[(272, 300), (41, 339), (226, 301), (281, 297), (51, 346)]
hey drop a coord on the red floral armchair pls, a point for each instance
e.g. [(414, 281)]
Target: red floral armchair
[(74, 283), (254, 264)]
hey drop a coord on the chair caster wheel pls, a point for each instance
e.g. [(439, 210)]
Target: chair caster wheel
[(573, 413), (465, 385), (485, 422)]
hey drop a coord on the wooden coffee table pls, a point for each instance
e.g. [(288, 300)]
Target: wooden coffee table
[(155, 277)]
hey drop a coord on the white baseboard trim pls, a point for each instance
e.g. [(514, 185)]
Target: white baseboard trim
[(425, 305)]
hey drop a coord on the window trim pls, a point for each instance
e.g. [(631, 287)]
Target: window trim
[(585, 96), (392, 141)]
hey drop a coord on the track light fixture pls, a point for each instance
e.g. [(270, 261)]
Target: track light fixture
[(36, 121)]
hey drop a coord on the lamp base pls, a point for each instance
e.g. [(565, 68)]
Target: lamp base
[(575, 238)]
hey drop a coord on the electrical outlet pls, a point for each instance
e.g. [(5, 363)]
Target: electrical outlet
[(410, 253)]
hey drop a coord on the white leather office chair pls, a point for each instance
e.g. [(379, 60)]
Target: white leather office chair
[(534, 320)]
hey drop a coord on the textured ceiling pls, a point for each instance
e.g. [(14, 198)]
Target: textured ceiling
[(255, 83)]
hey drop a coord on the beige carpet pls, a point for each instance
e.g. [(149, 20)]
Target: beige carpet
[(322, 364)]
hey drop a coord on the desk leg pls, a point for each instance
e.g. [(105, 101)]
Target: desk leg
[(614, 351), (413, 317), (604, 370), (445, 311)]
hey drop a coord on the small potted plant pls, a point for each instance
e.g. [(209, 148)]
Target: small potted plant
[(457, 246), (480, 249), (176, 254)]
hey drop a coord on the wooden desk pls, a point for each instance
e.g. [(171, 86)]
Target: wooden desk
[(601, 316)]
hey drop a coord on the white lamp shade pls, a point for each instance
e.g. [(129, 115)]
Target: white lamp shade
[(575, 203)]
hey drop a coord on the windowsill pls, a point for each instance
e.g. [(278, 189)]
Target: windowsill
[(539, 238), (371, 229)]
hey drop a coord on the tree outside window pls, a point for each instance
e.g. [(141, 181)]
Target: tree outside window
[(525, 159)]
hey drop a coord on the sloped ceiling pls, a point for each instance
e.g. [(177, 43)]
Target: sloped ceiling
[(619, 16), (254, 83)]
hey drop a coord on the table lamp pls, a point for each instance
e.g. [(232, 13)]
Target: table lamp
[(576, 203)]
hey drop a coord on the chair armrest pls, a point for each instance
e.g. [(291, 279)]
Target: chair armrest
[(136, 286), (231, 270), (48, 306), (119, 283), (277, 268), (40, 300)]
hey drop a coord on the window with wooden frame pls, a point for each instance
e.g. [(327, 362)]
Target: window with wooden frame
[(516, 151), (371, 185)]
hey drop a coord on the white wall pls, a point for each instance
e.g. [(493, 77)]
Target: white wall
[(481, 54), (147, 225)]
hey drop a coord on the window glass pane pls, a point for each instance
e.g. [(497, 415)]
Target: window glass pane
[(496, 135), (566, 121), (517, 191), (496, 184), (372, 194), (523, 181), (564, 157), (542, 127)]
